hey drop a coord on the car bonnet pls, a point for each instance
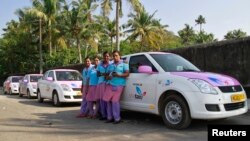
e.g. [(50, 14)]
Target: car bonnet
[(212, 78)]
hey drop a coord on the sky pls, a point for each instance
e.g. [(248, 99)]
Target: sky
[(221, 15)]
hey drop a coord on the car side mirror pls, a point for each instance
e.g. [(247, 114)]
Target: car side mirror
[(49, 78), (145, 69)]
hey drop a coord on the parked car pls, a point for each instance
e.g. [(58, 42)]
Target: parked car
[(28, 85), (60, 85), (11, 85), (168, 85)]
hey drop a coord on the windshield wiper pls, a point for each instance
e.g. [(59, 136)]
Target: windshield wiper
[(192, 70)]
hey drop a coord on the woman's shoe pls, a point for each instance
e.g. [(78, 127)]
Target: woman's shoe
[(109, 121), (81, 116), (117, 122)]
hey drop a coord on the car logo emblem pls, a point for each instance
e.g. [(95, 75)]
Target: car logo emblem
[(234, 89)]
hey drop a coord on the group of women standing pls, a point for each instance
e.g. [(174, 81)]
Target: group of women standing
[(103, 84)]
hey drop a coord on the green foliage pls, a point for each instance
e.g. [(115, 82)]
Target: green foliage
[(187, 35), (61, 58), (235, 34), (70, 32), (203, 37)]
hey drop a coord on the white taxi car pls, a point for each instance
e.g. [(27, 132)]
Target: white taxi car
[(28, 85), (60, 85), (11, 85), (168, 85)]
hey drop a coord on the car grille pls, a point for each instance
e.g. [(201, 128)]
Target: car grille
[(76, 89), (234, 106), (230, 89)]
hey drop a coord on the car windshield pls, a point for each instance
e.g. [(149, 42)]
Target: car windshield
[(174, 63), (68, 76), (16, 79), (35, 78)]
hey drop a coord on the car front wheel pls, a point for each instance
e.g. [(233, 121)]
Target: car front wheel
[(56, 101), (39, 97), (175, 112), (28, 94)]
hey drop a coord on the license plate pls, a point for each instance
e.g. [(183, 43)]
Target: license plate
[(238, 97), (79, 93)]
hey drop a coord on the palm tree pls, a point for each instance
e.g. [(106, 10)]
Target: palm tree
[(47, 10), (187, 34), (235, 34), (145, 28), (204, 37), (78, 18), (110, 31), (200, 20), (107, 7), (108, 28)]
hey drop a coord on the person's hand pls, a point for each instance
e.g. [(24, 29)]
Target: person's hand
[(114, 74), (108, 77)]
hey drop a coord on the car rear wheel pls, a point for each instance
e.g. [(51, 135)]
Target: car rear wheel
[(9, 91), (175, 112), (28, 94), (39, 97), (4, 92), (55, 99)]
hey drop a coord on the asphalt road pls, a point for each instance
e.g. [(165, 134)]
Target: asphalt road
[(23, 119)]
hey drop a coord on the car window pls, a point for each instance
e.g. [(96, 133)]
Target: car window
[(68, 76), (26, 77), (16, 79), (174, 63), (51, 74), (136, 61), (35, 78), (45, 75)]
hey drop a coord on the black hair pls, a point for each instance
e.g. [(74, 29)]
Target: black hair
[(87, 58), (116, 51), (104, 53)]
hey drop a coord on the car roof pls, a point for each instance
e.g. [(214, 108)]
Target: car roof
[(146, 53), (35, 74), (63, 70), (16, 76)]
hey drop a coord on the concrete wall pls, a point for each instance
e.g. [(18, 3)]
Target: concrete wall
[(230, 57)]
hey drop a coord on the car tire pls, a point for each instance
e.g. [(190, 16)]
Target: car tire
[(39, 97), (20, 94), (10, 92), (28, 94), (175, 112), (55, 99), (4, 92)]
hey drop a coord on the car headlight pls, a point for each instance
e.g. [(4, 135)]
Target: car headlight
[(65, 87), (204, 86), (34, 86)]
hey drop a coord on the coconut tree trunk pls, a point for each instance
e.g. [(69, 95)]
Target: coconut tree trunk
[(79, 49), (141, 43), (50, 38), (86, 51), (117, 24), (111, 44)]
